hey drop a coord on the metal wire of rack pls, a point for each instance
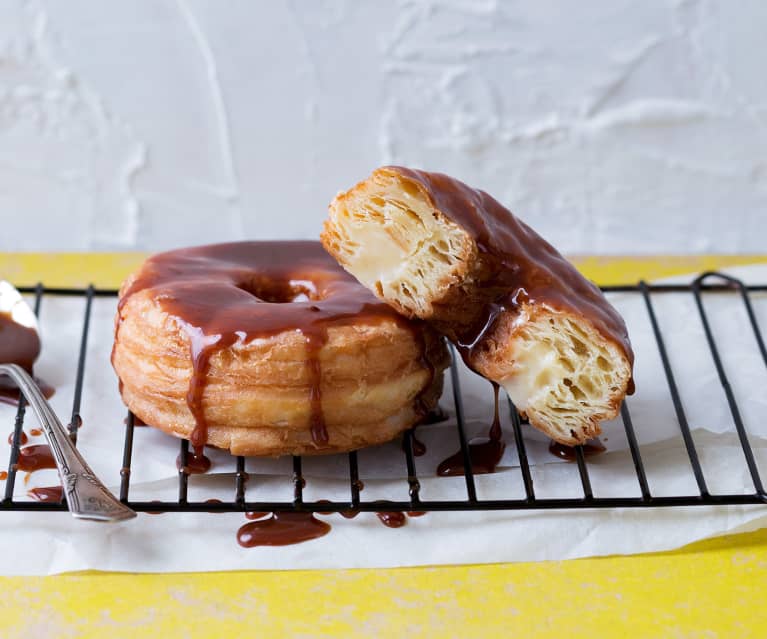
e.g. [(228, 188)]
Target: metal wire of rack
[(707, 283)]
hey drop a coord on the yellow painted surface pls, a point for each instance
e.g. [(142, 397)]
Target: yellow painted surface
[(710, 589)]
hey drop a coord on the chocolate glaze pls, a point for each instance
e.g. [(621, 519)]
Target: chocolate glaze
[(23, 439), (226, 293), (282, 529), (485, 455), (255, 515), (392, 519), (419, 448), (196, 463), (517, 266), (214, 501), (18, 344), (50, 494), (590, 448), (35, 457), (155, 512)]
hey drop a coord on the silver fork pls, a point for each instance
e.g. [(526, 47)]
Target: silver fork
[(87, 497)]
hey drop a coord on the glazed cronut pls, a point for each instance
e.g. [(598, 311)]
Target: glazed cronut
[(556, 366)]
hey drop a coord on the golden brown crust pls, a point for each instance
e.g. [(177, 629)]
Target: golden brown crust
[(257, 395)]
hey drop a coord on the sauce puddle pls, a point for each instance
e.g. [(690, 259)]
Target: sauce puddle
[(590, 448), (282, 529), (484, 455)]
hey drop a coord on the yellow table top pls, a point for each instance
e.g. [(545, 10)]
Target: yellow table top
[(709, 589)]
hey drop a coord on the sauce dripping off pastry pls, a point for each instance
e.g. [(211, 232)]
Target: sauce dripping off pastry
[(230, 294)]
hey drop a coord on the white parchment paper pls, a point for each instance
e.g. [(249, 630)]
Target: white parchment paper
[(46, 543)]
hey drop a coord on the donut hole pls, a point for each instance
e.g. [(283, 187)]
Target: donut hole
[(282, 292)]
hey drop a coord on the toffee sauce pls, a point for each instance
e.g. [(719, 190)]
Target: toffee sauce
[(516, 268), (223, 294), (23, 439), (47, 494), (35, 457), (590, 448), (281, 529), (485, 455), (18, 345), (196, 463)]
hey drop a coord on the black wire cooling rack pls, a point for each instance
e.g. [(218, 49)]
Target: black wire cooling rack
[(707, 283)]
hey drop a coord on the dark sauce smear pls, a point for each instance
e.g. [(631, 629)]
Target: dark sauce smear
[(9, 392), (517, 266), (255, 515), (155, 512), (484, 455), (23, 439), (47, 494), (226, 293), (419, 448), (282, 529), (196, 463), (392, 519), (214, 501), (35, 457), (590, 448), (18, 344)]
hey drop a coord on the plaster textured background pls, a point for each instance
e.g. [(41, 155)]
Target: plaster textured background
[(611, 127)]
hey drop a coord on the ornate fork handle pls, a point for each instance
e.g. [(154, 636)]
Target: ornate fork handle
[(86, 496)]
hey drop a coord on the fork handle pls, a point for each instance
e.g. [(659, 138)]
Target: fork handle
[(87, 497)]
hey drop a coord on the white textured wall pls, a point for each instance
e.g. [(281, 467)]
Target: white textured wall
[(610, 126)]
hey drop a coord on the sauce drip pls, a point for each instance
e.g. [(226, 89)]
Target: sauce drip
[(282, 529), (35, 432), (517, 266), (228, 293), (48, 494), (3, 475), (23, 439), (214, 501), (415, 513), (155, 512), (392, 519), (590, 448), (419, 448), (35, 457), (485, 455), (196, 463)]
